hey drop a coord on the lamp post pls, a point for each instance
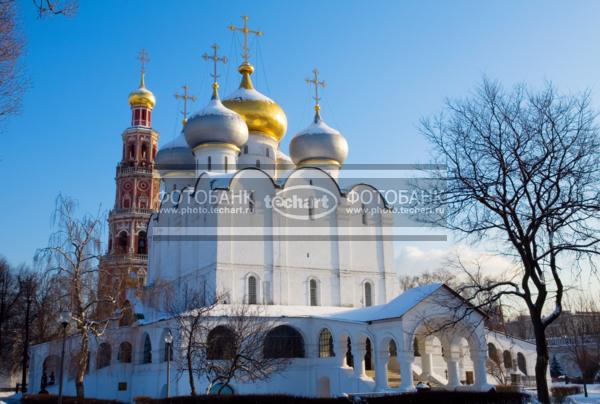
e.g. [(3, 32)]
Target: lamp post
[(168, 345), (63, 319)]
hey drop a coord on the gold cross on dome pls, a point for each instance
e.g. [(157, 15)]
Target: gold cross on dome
[(216, 59), (315, 81), (144, 58), (245, 31), (185, 97)]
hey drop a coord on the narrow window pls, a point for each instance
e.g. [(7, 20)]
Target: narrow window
[(326, 344), (143, 117), (368, 294), (313, 291), (246, 149), (257, 163), (364, 214), (226, 163), (311, 209), (251, 203), (252, 290), (268, 152), (209, 163)]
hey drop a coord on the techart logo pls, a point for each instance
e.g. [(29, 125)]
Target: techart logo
[(303, 202)]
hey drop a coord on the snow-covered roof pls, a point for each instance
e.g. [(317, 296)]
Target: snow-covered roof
[(251, 94), (395, 308)]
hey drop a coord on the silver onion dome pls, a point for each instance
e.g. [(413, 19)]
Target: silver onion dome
[(175, 155), (318, 143), (215, 124)]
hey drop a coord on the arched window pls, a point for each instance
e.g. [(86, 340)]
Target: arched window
[(221, 343), (268, 152), (142, 244), (131, 151), (103, 356), (368, 294), (251, 202), (326, 344), (368, 355), (521, 363), (144, 151), (147, 353), (124, 355), (349, 356), (393, 349), (283, 342), (507, 359), (492, 352), (123, 243), (313, 287), (252, 292), (416, 347)]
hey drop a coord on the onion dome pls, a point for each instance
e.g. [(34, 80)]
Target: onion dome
[(318, 144), (175, 155), (262, 114), (142, 97), (216, 124)]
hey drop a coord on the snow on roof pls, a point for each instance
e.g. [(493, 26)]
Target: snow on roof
[(242, 94), (395, 308), (179, 141)]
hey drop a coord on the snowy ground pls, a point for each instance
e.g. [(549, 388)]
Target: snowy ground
[(593, 394), (9, 397)]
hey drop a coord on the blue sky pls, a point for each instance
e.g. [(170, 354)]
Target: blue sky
[(387, 64)]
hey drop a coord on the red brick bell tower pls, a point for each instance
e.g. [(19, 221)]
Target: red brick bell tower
[(137, 196)]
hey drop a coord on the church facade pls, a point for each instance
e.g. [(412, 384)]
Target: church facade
[(241, 220)]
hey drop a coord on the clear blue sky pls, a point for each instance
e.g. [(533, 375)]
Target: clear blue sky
[(387, 63)]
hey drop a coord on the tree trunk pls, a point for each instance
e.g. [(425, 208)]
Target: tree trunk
[(541, 363), (190, 373), (82, 365)]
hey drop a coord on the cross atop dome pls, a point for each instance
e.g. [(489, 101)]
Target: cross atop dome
[(144, 58), (315, 81), (185, 97), (215, 59), (245, 31)]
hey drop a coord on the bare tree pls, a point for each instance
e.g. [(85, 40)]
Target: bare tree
[(497, 370), (582, 328), (72, 257), (438, 276), (524, 171), (233, 347), (55, 7), (11, 47), (191, 313)]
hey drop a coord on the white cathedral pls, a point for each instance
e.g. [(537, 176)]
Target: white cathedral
[(242, 220)]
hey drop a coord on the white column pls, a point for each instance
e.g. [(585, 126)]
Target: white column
[(426, 365), (340, 349), (453, 374), (381, 377), (479, 359), (406, 373), (359, 359)]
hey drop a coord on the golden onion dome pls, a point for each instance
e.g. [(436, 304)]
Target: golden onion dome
[(262, 114), (142, 96)]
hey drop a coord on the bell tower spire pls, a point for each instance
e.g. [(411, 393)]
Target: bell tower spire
[(137, 196), (142, 100)]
